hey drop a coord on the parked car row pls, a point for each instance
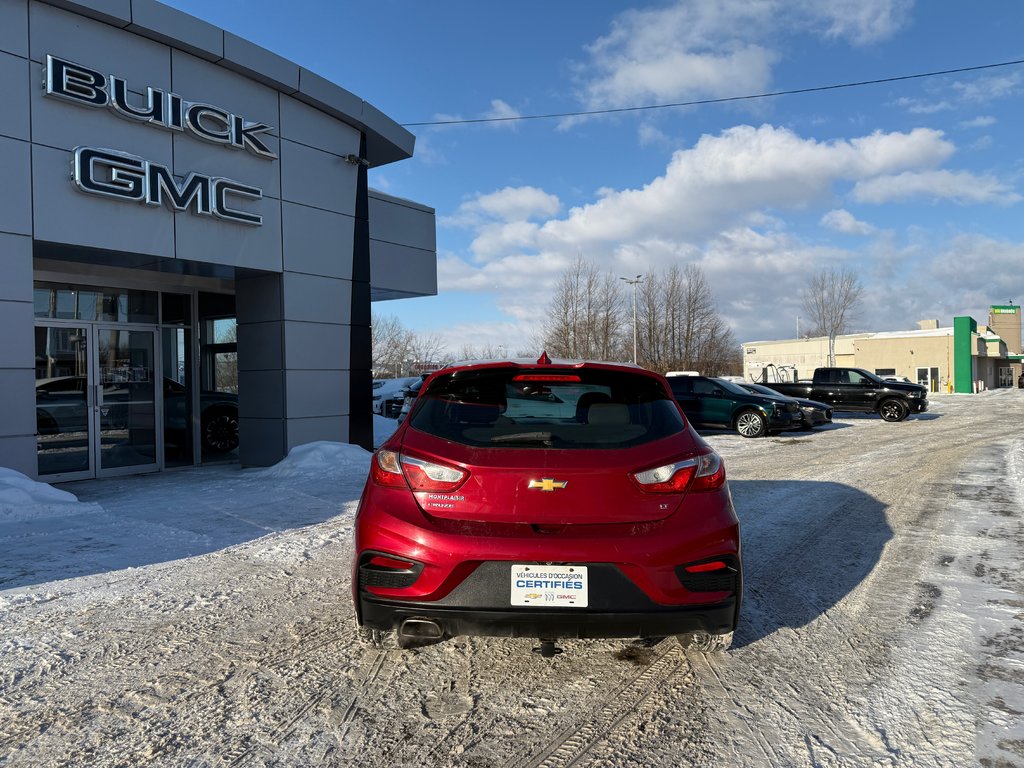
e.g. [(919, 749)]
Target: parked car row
[(389, 394), (751, 409), (756, 409)]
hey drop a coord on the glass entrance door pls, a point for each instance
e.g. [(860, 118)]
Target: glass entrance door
[(96, 400), (126, 395), (64, 401)]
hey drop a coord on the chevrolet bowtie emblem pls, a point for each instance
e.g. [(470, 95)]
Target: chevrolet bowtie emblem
[(548, 484)]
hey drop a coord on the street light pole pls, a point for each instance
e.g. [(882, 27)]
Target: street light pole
[(634, 282)]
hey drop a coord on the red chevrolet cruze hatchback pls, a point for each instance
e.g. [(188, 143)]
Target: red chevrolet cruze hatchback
[(553, 499)]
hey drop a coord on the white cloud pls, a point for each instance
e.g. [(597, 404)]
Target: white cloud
[(958, 186), (511, 204), (923, 107), (982, 121), (728, 180), (719, 204), (727, 177), (961, 94), (691, 50), (846, 223), (651, 135), (862, 22), (682, 51), (985, 89), (502, 111)]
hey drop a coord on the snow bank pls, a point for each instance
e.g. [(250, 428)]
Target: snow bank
[(22, 498), (320, 458)]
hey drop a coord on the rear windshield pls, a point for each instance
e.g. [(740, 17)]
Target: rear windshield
[(509, 407)]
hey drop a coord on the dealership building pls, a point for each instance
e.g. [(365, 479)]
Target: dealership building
[(189, 244), (965, 357)]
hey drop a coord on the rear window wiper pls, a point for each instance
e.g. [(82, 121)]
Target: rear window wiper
[(543, 438)]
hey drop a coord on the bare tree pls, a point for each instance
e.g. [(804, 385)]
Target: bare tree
[(831, 300), (585, 317), (391, 343), (679, 324), (426, 350)]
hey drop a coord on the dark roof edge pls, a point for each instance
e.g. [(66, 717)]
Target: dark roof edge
[(386, 140)]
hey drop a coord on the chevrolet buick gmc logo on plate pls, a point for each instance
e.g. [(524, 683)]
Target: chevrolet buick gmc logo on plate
[(550, 586)]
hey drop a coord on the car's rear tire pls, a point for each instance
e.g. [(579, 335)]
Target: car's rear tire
[(377, 639), (220, 430), (893, 410), (751, 424), (705, 642)]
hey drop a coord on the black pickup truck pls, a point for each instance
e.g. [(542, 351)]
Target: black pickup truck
[(854, 389)]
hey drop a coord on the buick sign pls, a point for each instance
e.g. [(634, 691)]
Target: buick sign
[(81, 85)]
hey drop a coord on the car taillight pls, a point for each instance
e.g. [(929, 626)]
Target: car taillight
[(704, 472), (711, 472), (392, 469), (385, 469), (430, 476)]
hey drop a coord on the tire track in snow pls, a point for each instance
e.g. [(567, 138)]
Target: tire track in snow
[(574, 741)]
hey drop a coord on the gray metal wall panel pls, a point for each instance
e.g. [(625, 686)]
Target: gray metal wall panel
[(317, 242), (302, 431), (399, 268), (258, 298), (19, 453), (115, 12), (191, 154), (316, 393), (304, 124), (17, 344), (257, 62), (14, 79), (14, 27), (260, 346), (15, 204), (402, 224), (208, 239), (332, 95), (316, 178), (172, 26), (62, 214), (17, 410), (260, 441), (99, 46), (15, 268), (198, 80), (310, 346), (317, 299), (261, 394)]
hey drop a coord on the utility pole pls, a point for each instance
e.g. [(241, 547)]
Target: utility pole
[(634, 282)]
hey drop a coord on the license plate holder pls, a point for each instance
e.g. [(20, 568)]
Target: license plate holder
[(550, 586)]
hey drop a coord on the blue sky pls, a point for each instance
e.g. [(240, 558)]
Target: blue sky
[(915, 186)]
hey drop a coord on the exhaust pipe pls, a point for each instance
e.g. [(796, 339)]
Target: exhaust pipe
[(420, 630)]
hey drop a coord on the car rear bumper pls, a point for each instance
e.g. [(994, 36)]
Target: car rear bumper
[(481, 605), (718, 618)]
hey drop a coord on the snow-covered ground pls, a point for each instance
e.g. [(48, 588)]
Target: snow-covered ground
[(203, 618)]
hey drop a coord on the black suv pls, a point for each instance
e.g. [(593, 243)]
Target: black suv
[(711, 402)]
